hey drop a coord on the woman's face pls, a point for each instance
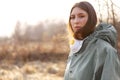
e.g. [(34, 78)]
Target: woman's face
[(78, 18)]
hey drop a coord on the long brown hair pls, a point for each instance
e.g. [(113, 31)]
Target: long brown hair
[(91, 23)]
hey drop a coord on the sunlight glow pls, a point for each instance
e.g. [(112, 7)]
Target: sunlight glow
[(31, 11)]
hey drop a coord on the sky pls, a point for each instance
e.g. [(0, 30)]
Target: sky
[(31, 11)]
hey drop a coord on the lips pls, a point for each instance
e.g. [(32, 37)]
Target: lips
[(77, 27)]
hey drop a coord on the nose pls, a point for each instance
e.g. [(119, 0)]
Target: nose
[(76, 20)]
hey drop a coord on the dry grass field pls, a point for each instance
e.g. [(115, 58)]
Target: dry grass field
[(32, 61)]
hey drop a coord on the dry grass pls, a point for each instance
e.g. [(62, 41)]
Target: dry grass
[(30, 50), (32, 61), (35, 70)]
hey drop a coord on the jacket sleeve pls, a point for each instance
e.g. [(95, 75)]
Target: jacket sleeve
[(111, 67)]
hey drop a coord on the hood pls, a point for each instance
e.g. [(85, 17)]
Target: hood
[(106, 32)]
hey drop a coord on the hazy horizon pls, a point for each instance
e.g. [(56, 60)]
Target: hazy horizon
[(32, 11)]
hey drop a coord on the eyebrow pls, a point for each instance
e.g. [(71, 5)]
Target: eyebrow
[(78, 14)]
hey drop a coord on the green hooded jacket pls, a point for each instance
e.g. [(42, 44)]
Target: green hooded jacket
[(97, 59)]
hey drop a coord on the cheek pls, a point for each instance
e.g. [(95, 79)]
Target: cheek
[(85, 20), (71, 23), (72, 28)]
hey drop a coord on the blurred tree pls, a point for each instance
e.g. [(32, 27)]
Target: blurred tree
[(17, 33), (40, 32), (110, 10), (56, 28)]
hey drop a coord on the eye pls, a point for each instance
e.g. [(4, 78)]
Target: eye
[(72, 17), (81, 16)]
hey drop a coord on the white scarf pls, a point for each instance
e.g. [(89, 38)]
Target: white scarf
[(76, 46)]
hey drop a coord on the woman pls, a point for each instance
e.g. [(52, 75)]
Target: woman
[(93, 54)]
